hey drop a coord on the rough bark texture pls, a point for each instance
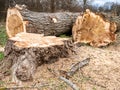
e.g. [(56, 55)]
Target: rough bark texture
[(36, 22), (113, 18), (25, 55), (94, 29)]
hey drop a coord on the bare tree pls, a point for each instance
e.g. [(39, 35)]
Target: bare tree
[(84, 5), (52, 2)]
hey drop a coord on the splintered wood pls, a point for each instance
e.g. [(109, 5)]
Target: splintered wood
[(93, 29), (25, 40)]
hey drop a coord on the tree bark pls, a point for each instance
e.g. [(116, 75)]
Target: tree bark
[(20, 19), (94, 29), (113, 18), (25, 52)]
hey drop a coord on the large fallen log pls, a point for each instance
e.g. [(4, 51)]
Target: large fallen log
[(26, 51), (19, 19), (94, 29)]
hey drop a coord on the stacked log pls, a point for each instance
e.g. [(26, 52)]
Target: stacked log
[(94, 29)]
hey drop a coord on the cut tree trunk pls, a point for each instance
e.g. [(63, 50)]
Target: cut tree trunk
[(94, 29), (19, 19), (26, 51)]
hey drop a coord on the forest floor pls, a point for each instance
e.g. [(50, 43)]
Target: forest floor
[(102, 72)]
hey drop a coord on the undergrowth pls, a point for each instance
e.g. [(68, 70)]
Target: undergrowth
[(1, 56), (3, 39), (3, 36), (64, 36)]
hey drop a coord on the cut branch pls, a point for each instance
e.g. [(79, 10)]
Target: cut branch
[(68, 82), (72, 71), (77, 66)]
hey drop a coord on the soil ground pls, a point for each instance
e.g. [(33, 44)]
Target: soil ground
[(102, 73)]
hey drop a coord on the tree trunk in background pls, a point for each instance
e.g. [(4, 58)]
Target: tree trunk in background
[(2, 9), (84, 5), (20, 19), (52, 6)]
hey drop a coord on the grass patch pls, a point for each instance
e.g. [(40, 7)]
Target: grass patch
[(64, 36), (3, 36), (1, 56), (94, 88)]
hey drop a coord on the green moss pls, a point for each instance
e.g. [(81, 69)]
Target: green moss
[(94, 88), (3, 36), (2, 85), (1, 55), (64, 36)]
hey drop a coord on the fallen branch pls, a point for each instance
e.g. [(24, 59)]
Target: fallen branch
[(77, 66), (68, 82)]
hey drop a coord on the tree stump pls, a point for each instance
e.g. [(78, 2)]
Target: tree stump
[(94, 29), (20, 19), (26, 51)]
